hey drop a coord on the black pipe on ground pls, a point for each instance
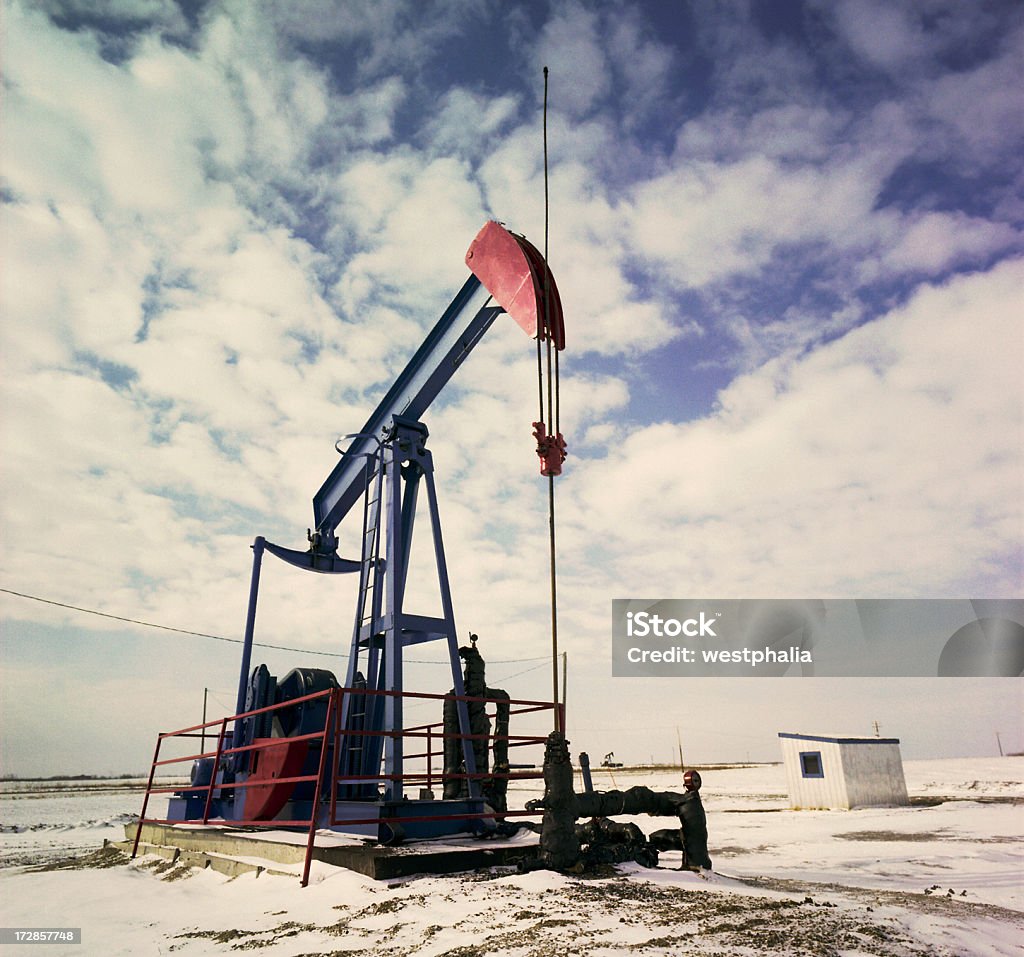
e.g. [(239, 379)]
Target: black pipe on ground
[(562, 841)]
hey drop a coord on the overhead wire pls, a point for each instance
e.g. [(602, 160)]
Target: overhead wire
[(235, 641)]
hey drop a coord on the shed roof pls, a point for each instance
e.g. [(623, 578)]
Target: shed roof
[(838, 738)]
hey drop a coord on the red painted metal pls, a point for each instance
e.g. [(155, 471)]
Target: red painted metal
[(145, 800), (272, 825), (216, 763), (515, 274), (549, 303), (276, 762), (550, 449), (332, 708)]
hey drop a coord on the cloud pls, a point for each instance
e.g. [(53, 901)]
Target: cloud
[(887, 462), (909, 40), (643, 68), (605, 60), (795, 132), (571, 39), (376, 36), (887, 35), (467, 123), (736, 63), (979, 109), (932, 243), (411, 218), (703, 222)]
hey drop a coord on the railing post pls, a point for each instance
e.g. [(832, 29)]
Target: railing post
[(145, 799), (316, 791), (216, 765)]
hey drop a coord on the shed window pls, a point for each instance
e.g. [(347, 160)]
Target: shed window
[(810, 764)]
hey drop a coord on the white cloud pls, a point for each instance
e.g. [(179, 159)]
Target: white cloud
[(703, 221), (804, 133), (888, 462), (749, 70), (934, 242), (979, 109), (380, 36), (571, 43), (887, 35), (762, 191), (467, 123), (415, 219), (643, 66)]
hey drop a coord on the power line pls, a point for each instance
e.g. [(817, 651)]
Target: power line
[(150, 624), (543, 663), (235, 641)]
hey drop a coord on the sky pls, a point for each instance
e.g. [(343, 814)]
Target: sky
[(788, 241)]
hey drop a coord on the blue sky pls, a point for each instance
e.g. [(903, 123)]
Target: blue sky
[(788, 239)]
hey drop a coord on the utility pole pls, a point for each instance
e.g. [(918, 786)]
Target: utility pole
[(877, 734), (1000, 743)]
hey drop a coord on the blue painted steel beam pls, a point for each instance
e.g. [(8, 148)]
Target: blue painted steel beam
[(468, 317)]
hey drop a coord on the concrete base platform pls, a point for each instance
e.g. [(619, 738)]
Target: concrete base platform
[(223, 864), (237, 850)]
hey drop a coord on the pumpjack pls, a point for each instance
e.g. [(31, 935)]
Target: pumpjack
[(384, 466)]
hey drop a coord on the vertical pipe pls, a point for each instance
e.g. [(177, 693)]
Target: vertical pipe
[(588, 781), (250, 627)]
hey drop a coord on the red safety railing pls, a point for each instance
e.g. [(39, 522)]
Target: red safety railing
[(435, 732), (223, 752), (432, 734)]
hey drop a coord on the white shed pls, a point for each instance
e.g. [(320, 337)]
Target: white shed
[(835, 771)]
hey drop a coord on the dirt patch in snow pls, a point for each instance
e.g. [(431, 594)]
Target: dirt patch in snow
[(936, 899), (627, 914), (107, 856)]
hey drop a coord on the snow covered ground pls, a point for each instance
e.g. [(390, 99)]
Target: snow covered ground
[(942, 877)]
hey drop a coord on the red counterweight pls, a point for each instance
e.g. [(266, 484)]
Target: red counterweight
[(515, 273)]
